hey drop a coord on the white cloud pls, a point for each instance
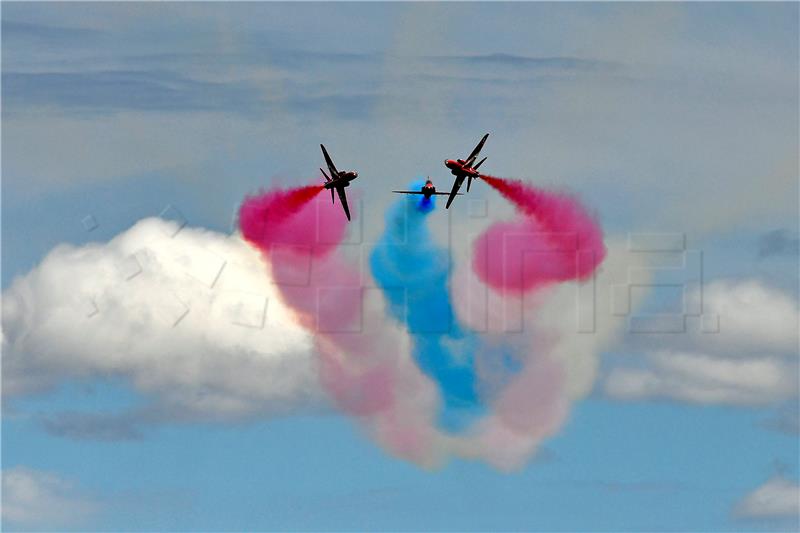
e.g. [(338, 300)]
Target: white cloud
[(705, 379), (32, 498), (777, 498), (753, 319), (751, 360), (185, 315)]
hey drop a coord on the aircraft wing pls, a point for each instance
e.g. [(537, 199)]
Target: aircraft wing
[(476, 151), (329, 162), (456, 185), (409, 192), (343, 198), (438, 193)]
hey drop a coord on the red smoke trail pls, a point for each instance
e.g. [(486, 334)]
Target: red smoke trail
[(557, 240), (266, 219), (297, 236)]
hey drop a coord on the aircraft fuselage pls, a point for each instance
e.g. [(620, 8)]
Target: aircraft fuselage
[(343, 180), (428, 190), (458, 168)]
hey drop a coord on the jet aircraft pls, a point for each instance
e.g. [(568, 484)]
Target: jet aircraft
[(462, 168), (338, 180), (426, 190)]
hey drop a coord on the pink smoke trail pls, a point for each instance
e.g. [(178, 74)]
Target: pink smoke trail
[(556, 240), (298, 234)]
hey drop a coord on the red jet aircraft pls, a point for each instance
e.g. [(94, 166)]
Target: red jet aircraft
[(462, 168), (339, 180), (427, 190)]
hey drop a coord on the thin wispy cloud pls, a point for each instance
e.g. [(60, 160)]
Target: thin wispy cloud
[(97, 426), (128, 90), (778, 242), (777, 498), (19, 33), (35, 499)]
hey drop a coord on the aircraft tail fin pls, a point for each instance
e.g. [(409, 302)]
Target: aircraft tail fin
[(333, 199), (326, 176), (479, 164)]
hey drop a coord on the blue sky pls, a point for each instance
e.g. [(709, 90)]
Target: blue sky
[(666, 118)]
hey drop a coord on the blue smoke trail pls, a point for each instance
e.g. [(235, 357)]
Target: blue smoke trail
[(413, 272)]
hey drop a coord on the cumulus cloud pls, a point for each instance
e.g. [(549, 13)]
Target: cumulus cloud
[(701, 378), (751, 359), (753, 319), (36, 499), (777, 498), (188, 317), (741, 318)]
